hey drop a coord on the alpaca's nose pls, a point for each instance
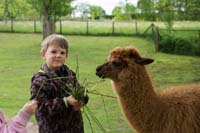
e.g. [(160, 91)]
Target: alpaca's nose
[(98, 68), (98, 71)]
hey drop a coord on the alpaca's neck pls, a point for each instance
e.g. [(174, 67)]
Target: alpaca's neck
[(137, 85), (136, 96)]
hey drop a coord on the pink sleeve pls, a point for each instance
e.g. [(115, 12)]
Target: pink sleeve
[(17, 124)]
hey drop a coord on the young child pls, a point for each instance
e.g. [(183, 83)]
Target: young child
[(58, 111), (19, 122)]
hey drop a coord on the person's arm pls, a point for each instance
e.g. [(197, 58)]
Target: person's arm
[(43, 91), (19, 122), (3, 124)]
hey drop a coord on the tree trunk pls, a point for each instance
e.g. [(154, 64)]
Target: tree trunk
[(49, 23), (6, 11)]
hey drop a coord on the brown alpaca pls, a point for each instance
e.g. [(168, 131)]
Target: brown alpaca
[(174, 110)]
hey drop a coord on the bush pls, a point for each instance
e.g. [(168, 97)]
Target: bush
[(167, 44), (184, 46), (171, 44)]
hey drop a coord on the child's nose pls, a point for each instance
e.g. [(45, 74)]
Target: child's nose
[(58, 55)]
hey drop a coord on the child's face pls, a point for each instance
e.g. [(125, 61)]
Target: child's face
[(54, 57)]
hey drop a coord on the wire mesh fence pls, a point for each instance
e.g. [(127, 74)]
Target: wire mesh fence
[(89, 27)]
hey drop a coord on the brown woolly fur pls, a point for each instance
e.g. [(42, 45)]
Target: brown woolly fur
[(174, 110)]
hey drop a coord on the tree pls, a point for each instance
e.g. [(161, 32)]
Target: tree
[(50, 11), (130, 10), (13, 8), (124, 11), (117, 13), (1, 9), (147, 9), (97, 12), (166, 11), (188, 9), (83, 9)]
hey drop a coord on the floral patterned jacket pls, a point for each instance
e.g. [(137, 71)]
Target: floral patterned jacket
[(49, 88)]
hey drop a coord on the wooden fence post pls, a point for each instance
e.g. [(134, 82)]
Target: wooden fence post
[(60, 26), (12, 30), (156, 37), (153, 28), (34, 26), (136, 27), (199, 44), (87, 27), (113, 28)]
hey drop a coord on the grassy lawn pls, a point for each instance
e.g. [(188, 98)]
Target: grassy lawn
[(19, 57)]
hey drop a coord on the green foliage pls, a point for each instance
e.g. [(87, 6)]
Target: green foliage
[(14, 8), (54, 8), (169, 10), (188, 10), (172, 44), (185, 46), (83, 9), (96, 12), (167, 44), (125, 11), (168, 18), (79, 93), (1, 9), (147, 8), (51, 11), (117, 13), (166, 12)]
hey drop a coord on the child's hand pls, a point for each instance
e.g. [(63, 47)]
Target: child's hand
[(30, 107), (74, 103)]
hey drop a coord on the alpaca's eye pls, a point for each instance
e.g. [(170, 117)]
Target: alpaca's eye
[(116, 63)]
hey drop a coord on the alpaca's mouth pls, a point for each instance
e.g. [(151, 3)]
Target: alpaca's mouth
[(99, 74), (99, 71)]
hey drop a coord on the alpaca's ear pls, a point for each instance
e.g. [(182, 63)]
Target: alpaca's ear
[(144, 61)]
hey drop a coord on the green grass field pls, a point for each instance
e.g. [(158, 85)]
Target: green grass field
[(19, 58)]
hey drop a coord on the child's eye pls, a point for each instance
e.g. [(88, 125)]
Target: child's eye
[(53, 51), (63, 53)]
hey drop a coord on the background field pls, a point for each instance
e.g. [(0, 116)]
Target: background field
[(19, 58), (106, 27)]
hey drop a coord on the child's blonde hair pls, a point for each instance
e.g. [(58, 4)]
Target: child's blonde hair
[(54, 40)]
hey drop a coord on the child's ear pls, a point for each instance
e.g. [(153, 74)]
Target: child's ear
[(42, 55)]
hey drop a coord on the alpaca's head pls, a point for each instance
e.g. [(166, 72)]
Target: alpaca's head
[(121, 60)]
